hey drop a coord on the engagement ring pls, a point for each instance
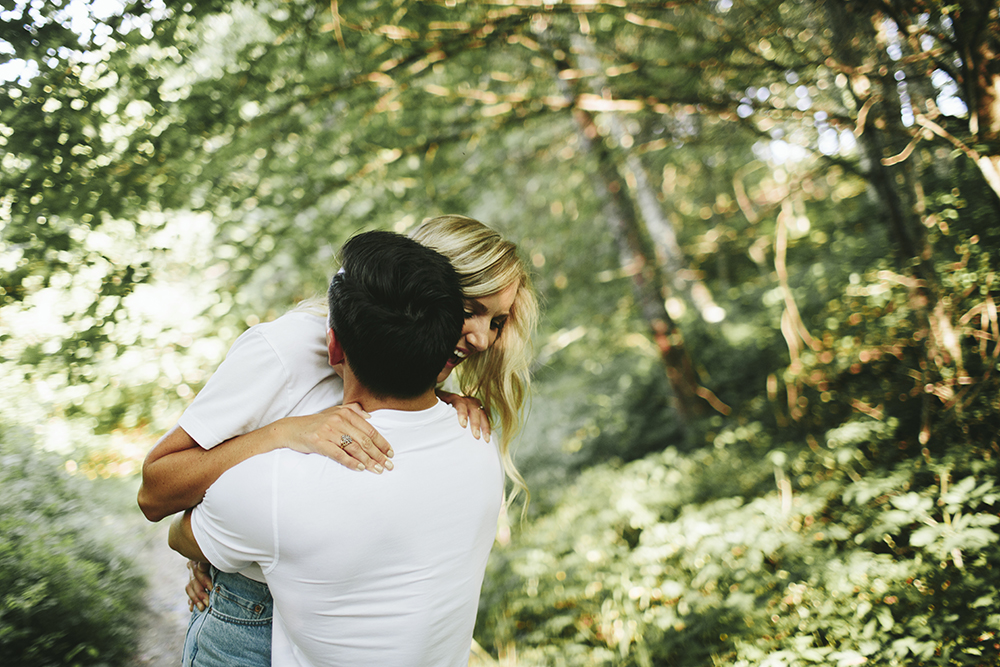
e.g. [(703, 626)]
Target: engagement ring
[(345, 440)]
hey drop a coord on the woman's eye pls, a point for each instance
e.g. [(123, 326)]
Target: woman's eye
[(469, 314), (498, 325)]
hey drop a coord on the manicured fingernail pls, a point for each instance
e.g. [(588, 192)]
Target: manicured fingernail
[(388, 465), (475, 432), (389, 453), (378, 468), (464, 423), (361, 467)]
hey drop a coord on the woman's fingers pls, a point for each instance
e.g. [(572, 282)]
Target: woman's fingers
[(198, 586), (348, 439), (353, 407), (363, 449), (462, 411), (480, 423), (200, 572), (359, 439), (193, 590), (470, 413), (371, 438)]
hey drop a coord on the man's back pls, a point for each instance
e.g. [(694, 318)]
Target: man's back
[(364, 569)]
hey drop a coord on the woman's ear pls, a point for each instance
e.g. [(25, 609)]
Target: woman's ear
[(336, 353)]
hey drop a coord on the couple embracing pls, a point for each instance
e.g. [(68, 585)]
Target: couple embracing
[(354, 568)]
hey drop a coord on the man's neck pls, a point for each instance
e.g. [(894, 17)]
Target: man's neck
[(355, 393)]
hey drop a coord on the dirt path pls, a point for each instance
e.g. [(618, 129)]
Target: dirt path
[(166, 615)]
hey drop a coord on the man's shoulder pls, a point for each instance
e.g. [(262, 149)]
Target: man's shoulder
[(435, 430)]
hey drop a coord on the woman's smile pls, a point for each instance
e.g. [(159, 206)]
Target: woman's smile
[(485, 318)]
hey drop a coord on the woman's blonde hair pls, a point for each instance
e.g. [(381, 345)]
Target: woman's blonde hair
[(499, 377)]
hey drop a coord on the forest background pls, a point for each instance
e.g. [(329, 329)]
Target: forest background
[(765, 411)]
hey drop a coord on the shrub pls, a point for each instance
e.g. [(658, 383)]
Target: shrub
[(68, 595), (645, 565)]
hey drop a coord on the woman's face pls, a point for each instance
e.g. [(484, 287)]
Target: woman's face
[(484, 320)]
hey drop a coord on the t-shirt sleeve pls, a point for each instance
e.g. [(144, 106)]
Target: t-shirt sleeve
[(236, 398), (233, 525)]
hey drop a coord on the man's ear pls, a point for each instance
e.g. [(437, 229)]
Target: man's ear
[(336, 353)]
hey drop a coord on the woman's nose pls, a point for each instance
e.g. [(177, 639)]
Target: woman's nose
[(477, 337)]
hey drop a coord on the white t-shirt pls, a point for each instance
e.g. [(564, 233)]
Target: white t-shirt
[(274, 370), (365, 569)]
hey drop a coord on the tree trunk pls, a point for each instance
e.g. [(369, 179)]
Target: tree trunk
[(638, 260), (647, 278)]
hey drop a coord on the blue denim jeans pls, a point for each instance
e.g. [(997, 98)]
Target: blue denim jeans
[(235, 628)]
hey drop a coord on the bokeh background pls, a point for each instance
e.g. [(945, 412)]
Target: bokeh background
[(765, 412)]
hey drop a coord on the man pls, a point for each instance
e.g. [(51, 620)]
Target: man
[(368, 570)]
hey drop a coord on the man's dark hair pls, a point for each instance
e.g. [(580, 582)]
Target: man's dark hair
[(398, 312)]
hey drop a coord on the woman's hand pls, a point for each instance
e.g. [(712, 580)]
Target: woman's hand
[(341, 433), (470, 413), (199, 586)]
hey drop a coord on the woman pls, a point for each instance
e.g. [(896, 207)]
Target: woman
[(494, 370)]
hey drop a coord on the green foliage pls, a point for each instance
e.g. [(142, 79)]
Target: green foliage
[(69, 592), (693, 559)]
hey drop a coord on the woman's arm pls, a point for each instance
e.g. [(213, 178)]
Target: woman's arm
[(177, 471), (181, 538)]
